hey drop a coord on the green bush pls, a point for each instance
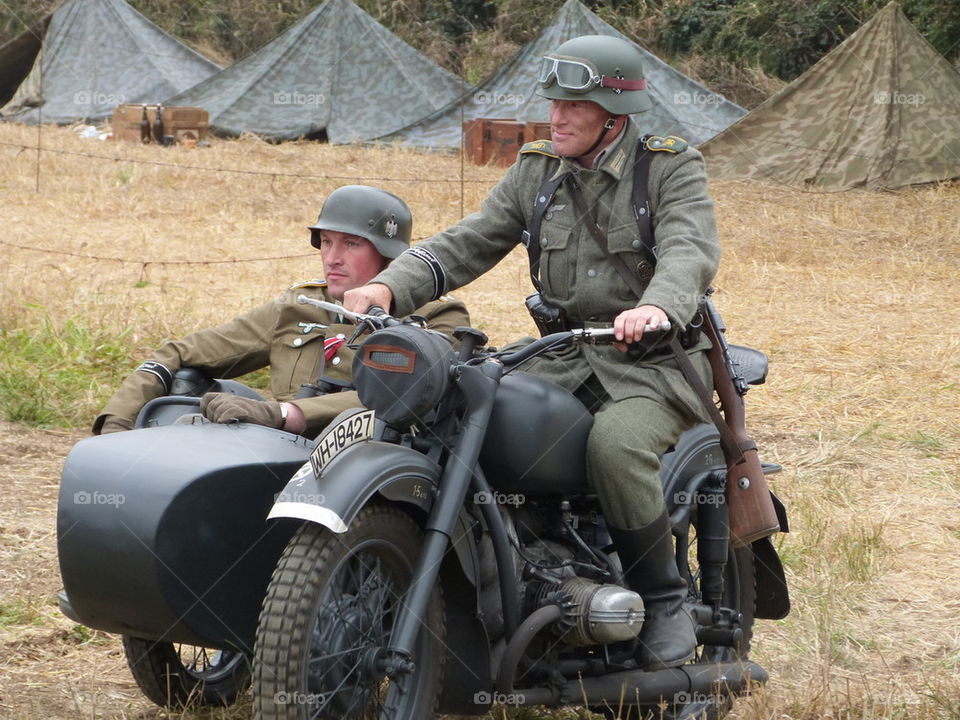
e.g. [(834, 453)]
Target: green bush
[(59, 375), (785, 37)]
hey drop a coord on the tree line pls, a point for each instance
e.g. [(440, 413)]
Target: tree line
[(737, 38)]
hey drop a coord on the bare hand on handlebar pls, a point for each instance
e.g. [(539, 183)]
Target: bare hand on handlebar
[(630, 325), (360, 299)]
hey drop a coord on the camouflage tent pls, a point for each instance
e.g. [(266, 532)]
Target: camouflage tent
[(17, 56), (337, 74), (88, 57), (681, 106), (880, 110)]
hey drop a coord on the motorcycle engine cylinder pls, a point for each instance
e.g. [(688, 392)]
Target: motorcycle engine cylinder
[(603, 614)]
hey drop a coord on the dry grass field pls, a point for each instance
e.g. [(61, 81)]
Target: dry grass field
[(853, 296)]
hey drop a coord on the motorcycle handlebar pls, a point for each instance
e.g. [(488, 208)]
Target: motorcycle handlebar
[(595, 336), (376, 316)]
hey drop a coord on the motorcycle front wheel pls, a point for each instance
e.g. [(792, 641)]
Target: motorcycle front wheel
[(330, 608), (177, 676)]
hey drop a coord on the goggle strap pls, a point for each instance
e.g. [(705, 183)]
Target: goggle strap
[(622, 84)]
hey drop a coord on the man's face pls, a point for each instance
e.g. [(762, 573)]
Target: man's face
[(349, 261), (575, 126)]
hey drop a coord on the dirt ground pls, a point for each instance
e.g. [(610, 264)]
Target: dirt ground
[(853, 296)]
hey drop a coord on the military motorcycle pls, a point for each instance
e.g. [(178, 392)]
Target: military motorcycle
[(438, 552)]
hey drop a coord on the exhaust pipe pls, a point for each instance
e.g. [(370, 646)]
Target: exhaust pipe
[(638, 687)]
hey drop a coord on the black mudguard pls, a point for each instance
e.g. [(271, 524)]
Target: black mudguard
[(162, 532), (355, 476), (696, 459)]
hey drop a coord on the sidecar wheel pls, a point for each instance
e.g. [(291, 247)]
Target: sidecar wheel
[(178, 676), (330, 607)]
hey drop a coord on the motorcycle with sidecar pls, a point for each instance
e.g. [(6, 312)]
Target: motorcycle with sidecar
[(436, 553)]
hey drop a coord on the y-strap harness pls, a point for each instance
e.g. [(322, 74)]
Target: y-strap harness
[(641, 210)]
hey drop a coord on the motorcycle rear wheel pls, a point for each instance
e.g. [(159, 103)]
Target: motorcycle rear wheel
[(739, 593), (178, 676), (330, 606)]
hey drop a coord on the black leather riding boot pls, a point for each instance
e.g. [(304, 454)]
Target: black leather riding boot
[(668, 637)]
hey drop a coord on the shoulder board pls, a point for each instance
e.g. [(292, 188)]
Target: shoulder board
[(308, 284), (446, 298), (540, 147), (670, 143)]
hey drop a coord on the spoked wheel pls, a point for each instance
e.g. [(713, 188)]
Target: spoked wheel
[(329, 614), (177, 676)]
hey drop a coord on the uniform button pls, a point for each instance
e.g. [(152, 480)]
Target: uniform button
[(543, 242), (336, 361), (591, 273), (549, 215), (298, 342), (636, 244), (642, 211)]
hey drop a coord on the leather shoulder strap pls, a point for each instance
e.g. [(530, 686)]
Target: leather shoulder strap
[(641, 199), (531, 236)]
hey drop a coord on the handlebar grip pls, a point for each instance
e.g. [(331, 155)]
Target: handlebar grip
[(375, 310)]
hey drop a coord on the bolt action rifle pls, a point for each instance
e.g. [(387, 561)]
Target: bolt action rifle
[(751, 509)]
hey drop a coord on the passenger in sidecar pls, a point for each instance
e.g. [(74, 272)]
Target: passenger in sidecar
[(359, 231)]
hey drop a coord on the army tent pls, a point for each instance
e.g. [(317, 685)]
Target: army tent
[(681, 106), (337, 74), (17, 56), (91, 56), (880, 110)]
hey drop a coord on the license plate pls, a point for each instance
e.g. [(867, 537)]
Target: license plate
[(338, 438)]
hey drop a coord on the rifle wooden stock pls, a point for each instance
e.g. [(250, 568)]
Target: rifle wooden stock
[(751, 510)]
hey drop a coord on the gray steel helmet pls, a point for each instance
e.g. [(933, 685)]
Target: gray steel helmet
[(599, 68), (377, 215)]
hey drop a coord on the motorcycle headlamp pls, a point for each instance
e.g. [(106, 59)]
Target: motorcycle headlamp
[(577, 75), (401, 372)]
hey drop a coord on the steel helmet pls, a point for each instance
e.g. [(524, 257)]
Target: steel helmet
[(377, 215), (599, 68)]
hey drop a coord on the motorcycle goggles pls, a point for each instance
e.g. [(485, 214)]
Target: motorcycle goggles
[(576, 75)]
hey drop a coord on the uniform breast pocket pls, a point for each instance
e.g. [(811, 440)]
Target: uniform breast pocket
[(556, 259), (294, 360), (624, 241)]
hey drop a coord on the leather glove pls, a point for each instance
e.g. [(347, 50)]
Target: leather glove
[(115, 423), (227, 407)]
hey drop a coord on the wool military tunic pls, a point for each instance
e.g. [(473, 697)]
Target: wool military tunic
[(576, 275), (283, 334)]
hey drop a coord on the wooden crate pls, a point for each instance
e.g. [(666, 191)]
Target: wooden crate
[(181, 124), (493, 141)]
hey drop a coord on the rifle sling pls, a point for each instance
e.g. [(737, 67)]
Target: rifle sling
[(728, 441)]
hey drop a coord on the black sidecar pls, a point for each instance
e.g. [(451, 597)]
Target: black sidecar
[(162, 537)]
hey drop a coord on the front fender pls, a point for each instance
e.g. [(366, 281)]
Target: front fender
[(355, 476), (352, 478)]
